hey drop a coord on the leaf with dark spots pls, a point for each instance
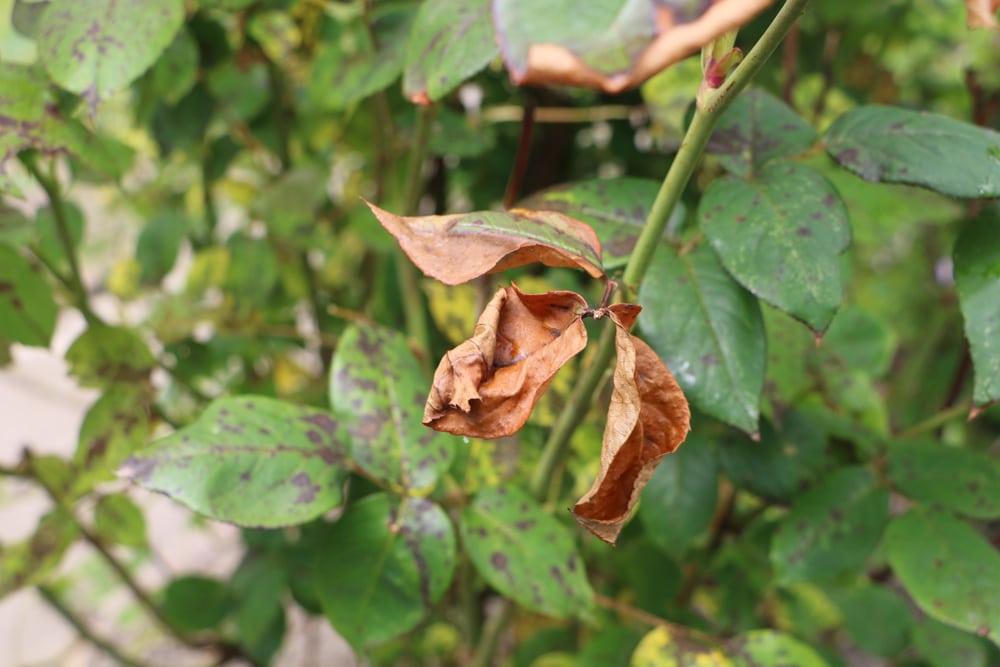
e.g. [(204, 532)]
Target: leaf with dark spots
[(757, 648), (96, 47), (450, 41), (893, 145), (115, 426), (510, 557), (832, 529), (780, 235), (616, 208), (610, 45), (33, 560), (487, 386), (376, 387), (248, 460), (648, 418), (757, 128), (949, 569), (27, 309), (105, 356), (977, 278), (693, 309), (961, 480), (460, 247), (382, 566)]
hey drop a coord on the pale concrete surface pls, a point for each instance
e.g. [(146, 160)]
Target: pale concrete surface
[(42, 407)]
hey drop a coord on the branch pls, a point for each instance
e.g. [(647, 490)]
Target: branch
[(70, 617), (676, 180)]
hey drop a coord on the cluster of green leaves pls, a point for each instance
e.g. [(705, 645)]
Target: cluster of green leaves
[(802, 295)]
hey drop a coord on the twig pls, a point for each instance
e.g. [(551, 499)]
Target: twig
[(409, 280), (495, 626), (51, 187), (511, 113), (81, 628), (513, 190), (643, 616), (934, 421)]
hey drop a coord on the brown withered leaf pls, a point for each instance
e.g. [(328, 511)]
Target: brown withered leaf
[(982, 13), (571, 48), (648, 418), (487, 386), (460, 247)]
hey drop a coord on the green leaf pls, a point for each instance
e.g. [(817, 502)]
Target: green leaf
[(105, 356), (858, 339), (158, 245), (960, 480), (253, 270), (664, 647), (616, 208), (679, 500), (525, 553), (832, 528), (377, 391), (757, 128), (194, 603), (894, 145), (709, 332), (877, 620), (950, 570), (27, 309), (943, 646), (118, 520), (258, 586), (977, 277), (612, 646), (15, 228), (114, 427), (176, 71), (450, 41), (382, 566), (289, 205), (250, 460), (96, 47), (777, 466), (34, 559), (341, 78), (780, 235)]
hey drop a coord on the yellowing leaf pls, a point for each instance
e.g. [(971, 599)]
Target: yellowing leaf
[(457, 248), (648, 418), (487, 386)]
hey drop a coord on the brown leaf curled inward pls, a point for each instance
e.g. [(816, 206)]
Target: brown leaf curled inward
[(648, 418), (982, 13), (487, 386), (458, 248)]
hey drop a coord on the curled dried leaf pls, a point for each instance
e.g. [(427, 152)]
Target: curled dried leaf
[(649, 36), (458, 248), (982, 13), (648, 418), (487, 386)]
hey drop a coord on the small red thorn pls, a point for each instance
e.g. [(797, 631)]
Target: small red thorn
[(818, 339), (755, 436), (974, 412)]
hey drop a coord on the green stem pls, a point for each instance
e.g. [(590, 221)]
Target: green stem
[(935, 421), (106, 647), (126, 577), (676, 180), (409, 279), (495, 625), (52, 191)]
